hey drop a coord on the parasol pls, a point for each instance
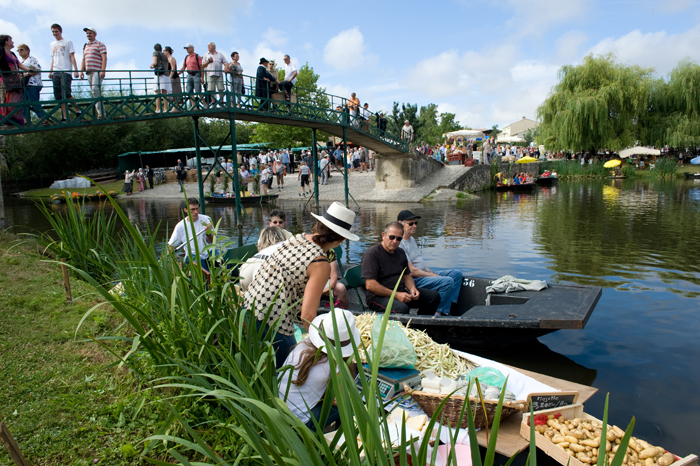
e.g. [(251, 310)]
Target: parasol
[(612, 163), (526, 159)]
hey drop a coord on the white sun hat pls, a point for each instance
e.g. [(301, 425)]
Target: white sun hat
[(339, 219), (347, 331)]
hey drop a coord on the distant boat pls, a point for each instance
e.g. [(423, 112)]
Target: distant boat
[(692, 176), (546, 180), (245, 200), (518, 188)]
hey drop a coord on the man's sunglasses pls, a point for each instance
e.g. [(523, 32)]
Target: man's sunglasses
[(392, 238), (410, 224)]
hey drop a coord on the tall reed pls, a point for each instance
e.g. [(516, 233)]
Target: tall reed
[(85, 242)]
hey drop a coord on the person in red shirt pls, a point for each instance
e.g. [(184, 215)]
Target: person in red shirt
[(193, 65)]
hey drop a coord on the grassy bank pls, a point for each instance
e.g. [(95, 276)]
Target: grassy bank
[(60, 403), (115, 186)]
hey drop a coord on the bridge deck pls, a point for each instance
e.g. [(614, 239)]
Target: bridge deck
[(129, 101)]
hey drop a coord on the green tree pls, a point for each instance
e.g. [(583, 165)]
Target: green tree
[(397, 117), (433, 125), (674, 112), (594, 105), (308, 93)]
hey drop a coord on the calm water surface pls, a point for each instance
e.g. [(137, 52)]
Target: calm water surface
[(639, 240)]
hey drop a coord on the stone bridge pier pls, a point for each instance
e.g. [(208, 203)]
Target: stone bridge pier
[(401, 171)]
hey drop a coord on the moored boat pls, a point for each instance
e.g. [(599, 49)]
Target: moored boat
[(245, 200), (692, 176), (518, 188)]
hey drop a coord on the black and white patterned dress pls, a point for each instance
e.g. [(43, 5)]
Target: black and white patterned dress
[(284, 272)]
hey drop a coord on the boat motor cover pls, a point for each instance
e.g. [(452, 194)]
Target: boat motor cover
[(508, 284)]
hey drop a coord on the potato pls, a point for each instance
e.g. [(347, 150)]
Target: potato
[(570, 439), (583, 458), (563, 444), (577, 448), (557, 438), (554, 423), (589, 434), (540, 429), (550, 416), (611, 435), (594, 452), (666, 459), (608, 446), (651, 452), (586, 425), (591, 443), (644, 444), (578, 434), (634, 445)]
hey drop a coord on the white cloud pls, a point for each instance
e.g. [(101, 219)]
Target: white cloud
[(337, 89), (11, 30), (536, 16), (219, 14), (655, 49), (275, 37), (568, 45), (346, 50)]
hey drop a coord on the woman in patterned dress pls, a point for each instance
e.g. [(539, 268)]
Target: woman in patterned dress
[(298, 269)]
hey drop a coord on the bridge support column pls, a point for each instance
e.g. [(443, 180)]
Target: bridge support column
[(345, 165), (234, 175), (314, 152), (199, 164)]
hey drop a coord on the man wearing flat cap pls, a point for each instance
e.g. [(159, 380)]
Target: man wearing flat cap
[(262, 84), (446, 282), (94, 64)]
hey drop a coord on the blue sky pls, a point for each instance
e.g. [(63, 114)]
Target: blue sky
[(490, 62)]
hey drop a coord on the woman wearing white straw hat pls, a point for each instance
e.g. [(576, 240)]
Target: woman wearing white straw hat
[(298, 269), (304, 388)]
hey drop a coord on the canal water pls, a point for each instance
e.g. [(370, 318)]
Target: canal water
[(639, 240)]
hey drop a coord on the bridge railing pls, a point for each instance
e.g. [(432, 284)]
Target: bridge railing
[(130, 95)]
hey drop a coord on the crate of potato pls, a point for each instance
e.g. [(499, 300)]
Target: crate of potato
[(572, 437)]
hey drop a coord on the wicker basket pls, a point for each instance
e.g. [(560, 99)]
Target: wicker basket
[(453, 407)]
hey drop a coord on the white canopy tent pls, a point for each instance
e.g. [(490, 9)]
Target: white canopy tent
[(638, 150), (507, 139), (465, 133)]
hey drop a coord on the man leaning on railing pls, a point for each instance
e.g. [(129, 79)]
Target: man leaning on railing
[(94, 64)]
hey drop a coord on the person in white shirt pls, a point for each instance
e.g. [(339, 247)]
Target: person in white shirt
[(214, 64), (323, 167), (34, 85), (304, 388), (270, 240), (62, 62), (446, 282), (195, 231), (290, 78)]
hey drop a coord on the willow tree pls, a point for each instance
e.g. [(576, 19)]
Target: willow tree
[(674, 114), (595, 105)]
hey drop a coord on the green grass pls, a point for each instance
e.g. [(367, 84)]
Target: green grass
[(48, 192), (60, 403)]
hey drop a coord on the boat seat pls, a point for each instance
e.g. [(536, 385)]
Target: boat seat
[(234, 256), (354, 281)]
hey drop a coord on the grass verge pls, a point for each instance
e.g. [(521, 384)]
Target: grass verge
[(48, 192), (59, 401)]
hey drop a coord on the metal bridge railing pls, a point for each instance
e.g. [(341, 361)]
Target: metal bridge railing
[(129, 95)]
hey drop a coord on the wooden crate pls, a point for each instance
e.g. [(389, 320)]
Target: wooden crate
[(570, 412)]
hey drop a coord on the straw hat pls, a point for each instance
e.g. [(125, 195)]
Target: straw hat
[(339, 219), (347, 331)]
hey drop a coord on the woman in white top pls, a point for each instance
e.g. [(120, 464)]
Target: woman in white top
[(304, 389), (270, 239)]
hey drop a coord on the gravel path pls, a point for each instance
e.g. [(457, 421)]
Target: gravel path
[(361, 186)]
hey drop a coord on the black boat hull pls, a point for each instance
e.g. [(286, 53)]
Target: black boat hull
[(510, 319), (547, 181)]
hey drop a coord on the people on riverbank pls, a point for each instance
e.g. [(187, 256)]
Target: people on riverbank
[(128, 182), (290, 282), (382, 267), (303, 177), (195, 231), (446, 282), (304, 388)]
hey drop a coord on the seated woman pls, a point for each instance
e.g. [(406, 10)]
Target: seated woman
[(516, 179), (289, 284), (270, 239), (304, 388)]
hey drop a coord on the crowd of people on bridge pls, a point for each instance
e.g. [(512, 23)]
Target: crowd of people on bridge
[(213, 72)]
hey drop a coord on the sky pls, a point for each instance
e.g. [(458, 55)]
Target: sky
[(489, 62)]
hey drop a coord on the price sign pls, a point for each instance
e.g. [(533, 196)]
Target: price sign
[(551, 400)]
